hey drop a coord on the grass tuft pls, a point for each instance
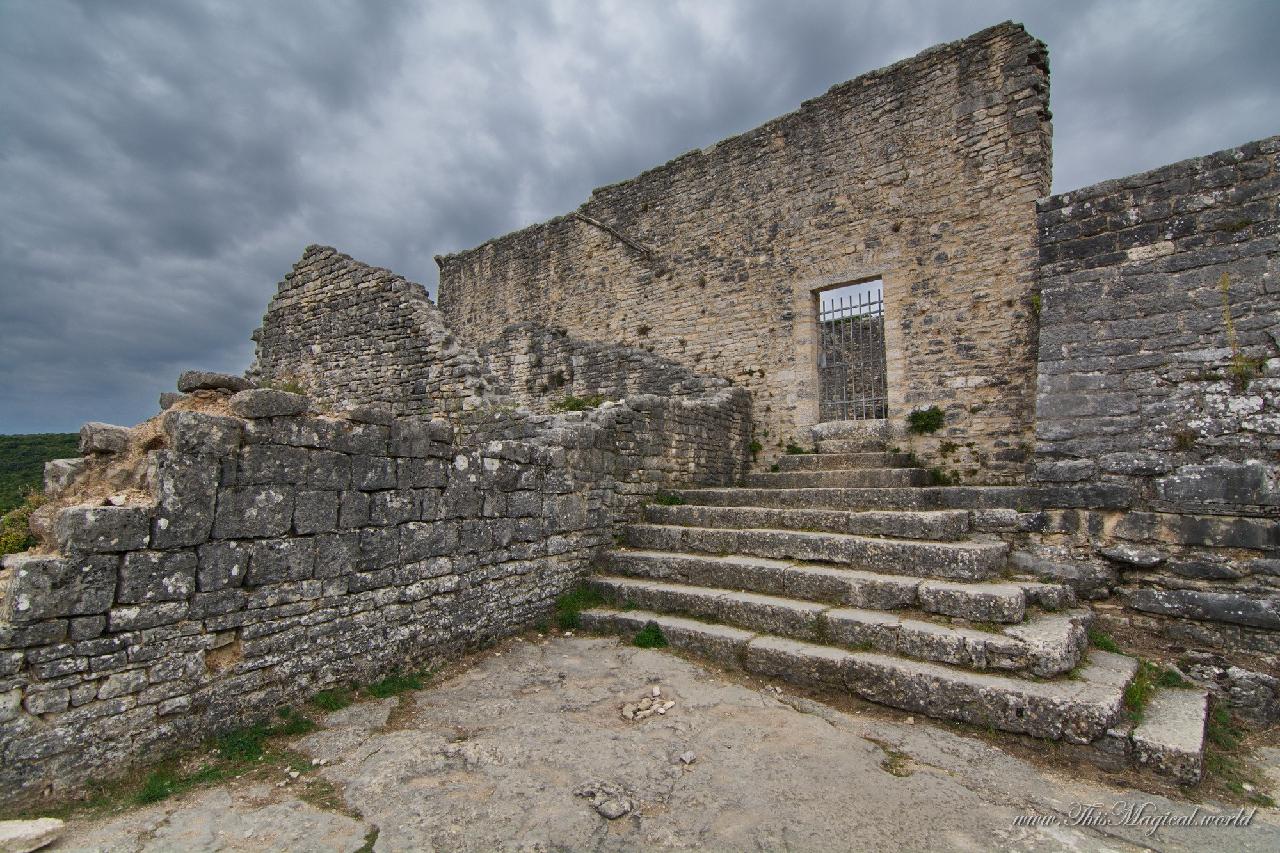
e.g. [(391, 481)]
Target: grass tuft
[(394, 685), (1102, 640), (569, 606), (650, 637), (334, 699), (668, 499)]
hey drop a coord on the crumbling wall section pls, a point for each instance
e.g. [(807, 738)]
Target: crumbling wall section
[(1159, 387), (351, 334), (924, 174), (540, 366)]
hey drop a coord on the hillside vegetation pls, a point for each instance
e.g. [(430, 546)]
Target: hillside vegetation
[(22, 459)]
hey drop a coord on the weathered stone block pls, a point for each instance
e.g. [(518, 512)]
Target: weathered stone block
[(268, 403), (147, 576), (1236, 609), (186, 488), (281, 560), (59, 474), (251, 512), (222, 564), (103, 438), (43, 587), (315, 512), (203, 380), (1249, 483), (201, 434), (423, 540), (102, 529)]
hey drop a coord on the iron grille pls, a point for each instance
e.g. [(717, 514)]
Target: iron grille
[(851, 362)]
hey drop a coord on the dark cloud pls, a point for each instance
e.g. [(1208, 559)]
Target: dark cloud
[(162, 164)]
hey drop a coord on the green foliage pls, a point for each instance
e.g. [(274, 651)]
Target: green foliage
[(570, 403), (1138, 692), (570, 606), (755, 447), (946, 448), (921, 421), (1102, 640), (292, 723), (1184, 439), (940, 477), (775, 467), (1224, 758), (650, 637), (246, 744), (394, 685), (22, 459), (293, 386), (1036, 304), (15, 526), (668, 499), (797, 450), (333, 699)]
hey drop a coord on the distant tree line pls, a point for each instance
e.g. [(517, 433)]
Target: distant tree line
[(22, 459)]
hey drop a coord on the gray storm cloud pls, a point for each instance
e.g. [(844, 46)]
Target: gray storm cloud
[(162, 163)]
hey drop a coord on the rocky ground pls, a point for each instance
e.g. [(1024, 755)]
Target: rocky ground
[(544, 745)]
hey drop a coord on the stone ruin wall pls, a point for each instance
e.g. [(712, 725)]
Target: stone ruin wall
[(270, 550), (1140, 409), (924, 174)]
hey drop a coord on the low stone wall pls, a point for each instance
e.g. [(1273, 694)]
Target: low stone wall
[(262, 552), (1159, 392)]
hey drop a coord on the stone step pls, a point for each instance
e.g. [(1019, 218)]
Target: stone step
[(1046, 645), (828, 461), (1170, 737), (967, 560), (851, 445), (846, 477), (1079, 709), (869, 430), (902, 524), (1004, 603), (852, 499)]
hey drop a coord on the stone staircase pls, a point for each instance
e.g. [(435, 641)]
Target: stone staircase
[(844, 570)]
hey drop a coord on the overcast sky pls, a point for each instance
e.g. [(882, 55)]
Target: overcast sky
[(164, 162)]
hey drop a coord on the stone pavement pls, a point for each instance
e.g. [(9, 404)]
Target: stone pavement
[(527, 750)]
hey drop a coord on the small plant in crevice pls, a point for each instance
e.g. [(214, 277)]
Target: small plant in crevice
[(1102, 640), (1185, 440), (755, 447), (668, 499), (775, 468), (922, 421), (942, 477), (1225, 758), (643, 329), (1036, 304), (650, 637), (570, 403), (946, 448), (1242, 368), (569, 606)]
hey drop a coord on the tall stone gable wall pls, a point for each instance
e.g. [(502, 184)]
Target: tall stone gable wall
[(924, 174), (351, 334), (1159, 388)]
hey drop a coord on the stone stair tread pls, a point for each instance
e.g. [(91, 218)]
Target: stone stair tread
[(863, 498), (1048, 644), (941, 524), (963, 559), (843, 461), (1078, 709), (989, 601), (866, 477), (1170, 736)]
